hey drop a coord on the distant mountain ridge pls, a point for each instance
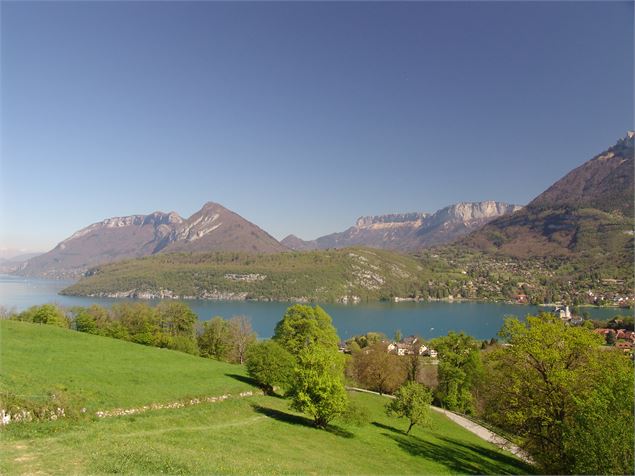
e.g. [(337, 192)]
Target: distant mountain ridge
[(410, 231), (588, 211), (212, 228)]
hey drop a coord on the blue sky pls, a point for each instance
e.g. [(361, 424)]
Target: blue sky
[(299, 116)]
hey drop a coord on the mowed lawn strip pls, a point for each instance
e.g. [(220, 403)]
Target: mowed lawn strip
[(255, 435), (101, 373)]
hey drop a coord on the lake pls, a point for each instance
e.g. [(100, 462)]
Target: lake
[(431, 319)]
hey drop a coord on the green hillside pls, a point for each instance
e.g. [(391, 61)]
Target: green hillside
[(237, 436), (100, 373), (324, 276)]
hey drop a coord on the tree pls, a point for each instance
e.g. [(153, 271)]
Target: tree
[(318, 386), (460, 369), (176, 319), (303, 326), (377, 369), (570, 401), (139, 319), (45, 314), (215, 340), (270, 365), (93, 320), (242, 336), (412, 401)]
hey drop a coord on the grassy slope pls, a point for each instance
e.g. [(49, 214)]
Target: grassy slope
[(258, 435), (250, 435), (102, 373), (319, 275)]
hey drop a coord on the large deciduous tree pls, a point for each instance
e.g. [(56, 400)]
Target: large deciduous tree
[(318, 387), (568, 399), (304, 326), (460, 369)]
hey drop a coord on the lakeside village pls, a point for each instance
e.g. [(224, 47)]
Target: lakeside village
[(619, 333)]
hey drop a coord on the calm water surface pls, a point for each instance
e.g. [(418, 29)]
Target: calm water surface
[(481, 320)]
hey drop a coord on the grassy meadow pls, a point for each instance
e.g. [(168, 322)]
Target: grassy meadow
[(100, 373), (237, 436)]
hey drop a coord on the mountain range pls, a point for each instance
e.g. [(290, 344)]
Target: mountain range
[(409, 231), (212, 228), (589, 212)]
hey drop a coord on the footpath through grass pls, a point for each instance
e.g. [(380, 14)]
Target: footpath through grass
[(256, 435), (237, 436)]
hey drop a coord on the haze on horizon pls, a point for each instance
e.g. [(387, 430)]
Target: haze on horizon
[(298, 116)]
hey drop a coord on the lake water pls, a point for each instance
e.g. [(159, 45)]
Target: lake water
[(481, 320)]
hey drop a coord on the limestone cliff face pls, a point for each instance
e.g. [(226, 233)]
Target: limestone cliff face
[(410, 231), (213, 228)]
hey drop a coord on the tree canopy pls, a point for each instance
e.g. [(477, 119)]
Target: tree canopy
[(570, 400), (270, 365), (318, 386), (412, 401), (304, 326)]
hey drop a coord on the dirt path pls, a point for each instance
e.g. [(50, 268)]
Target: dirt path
[(472, 427)]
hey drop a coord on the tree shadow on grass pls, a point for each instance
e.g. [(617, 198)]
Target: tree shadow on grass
[(253, 382), (459, 456), (292, 419), (244, 379), (387, 427)]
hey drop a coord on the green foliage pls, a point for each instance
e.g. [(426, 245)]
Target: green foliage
[(318, 386), (412, 401), (318, 276), (215, 340), (176, 319), (304, 326), (460, 369), (567, 398), (367, 339), (227, 340), (50, 314), (270, 365)]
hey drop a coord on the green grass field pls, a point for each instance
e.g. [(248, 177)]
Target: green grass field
[(240, 435), (101, 373)]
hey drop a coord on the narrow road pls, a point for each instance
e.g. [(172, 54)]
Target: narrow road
[(472, 427)]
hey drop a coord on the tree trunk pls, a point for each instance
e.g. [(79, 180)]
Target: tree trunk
[(410, 427)]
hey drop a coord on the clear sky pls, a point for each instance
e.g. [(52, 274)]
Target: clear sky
[(299, 116)]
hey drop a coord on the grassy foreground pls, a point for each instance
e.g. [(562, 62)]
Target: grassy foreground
[(239, 435)]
